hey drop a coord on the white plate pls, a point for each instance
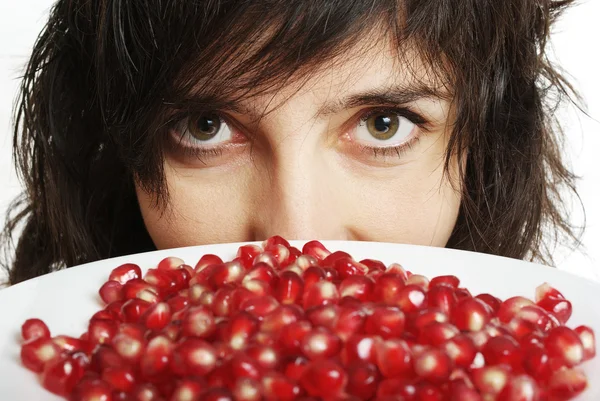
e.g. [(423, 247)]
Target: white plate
[(65, 300)]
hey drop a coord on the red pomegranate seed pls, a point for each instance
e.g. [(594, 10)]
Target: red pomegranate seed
[(561, 308), (360, 348), (411, 298), (241, 365), (217, 394), (111, 291), (566, 384), (359, 287), (461, 349), (295, 366), (437, 333), (101, 331), (129, 342), (121, 379), (188, 389), (502, 350), (289, 289), (442, 297), (588, 340), (170, 263), (433, 365), (393, 358), (509, 308), (284, 315), (240, 330), (450, 281), (247, 253), (281, 254), (133, 309), (385, 321), (34, 328), (537, 316), (206, 261), (373, 265), (266, 356), (491, 301), (324, 379), (490, 380), (198, 322), (426, 316), (320, 343), (350, 320), (462, 293), (71, 344), (193, 357), (520, 388), (246, 389), (61, 375), (92, 389), (459, 391), (36, 353), (418, 280), (261, 272), (125, 272), (545, 290), (321, 293), (470, 314), (388, 288), (564, 345), (104, 357), (157, 316), (291, 336), (277, 387), (397, 389), (226, 273), (267, 258), (363, 379), (157, 357), (259, 307), (348, 267), (429, 392), (316, 250)]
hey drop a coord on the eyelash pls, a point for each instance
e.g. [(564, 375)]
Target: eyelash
[(201, 153)]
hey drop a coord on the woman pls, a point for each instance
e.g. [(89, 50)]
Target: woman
[(145, 125)]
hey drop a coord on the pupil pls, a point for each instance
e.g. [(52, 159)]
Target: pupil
[(383, 123), (207, 125)]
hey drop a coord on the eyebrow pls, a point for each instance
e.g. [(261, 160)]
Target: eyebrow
[(389, 95)]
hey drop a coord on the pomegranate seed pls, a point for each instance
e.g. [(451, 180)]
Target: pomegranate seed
[(437, 333), (491, 301), (385, 321), (316, 250), (490, 380), (104, 357), (561, 308), (34, 328), (303, 262), (566, 384), (239, 330), (246, 389), (363, 379), (170, 263), (397, 389), (429, 392), (294, 368), (462, 293), (226, 273), (241, 365), (521, 388), (565, 346), (178, 303), (70, 344), (360, 348), (396, 268), (412, 298), (247, 253), (442, 297), (588, 340), (198, 322), (433, 365), (393, 358), (267, 258), (289, 288), (121, 379), (373, 265), (129, 342), (291, 336), (102, 331), (359, 287), (187, 390), (133, 309), (155, 361), (259, 307), (267, 357), (278, 387), (321, 293), (470, 314), (125, 272), (324, 379), (92, 389), (461, 349), (193, 357), (536, 315), (257, 288), (320, 343), (418, 280), (261, 272), (61, 375), (509, 308), (426, 316), (207, 260), (36, 353), (135, 287), (388, 288), (348, 267), (546, 291), (450, 281), (111, 291), (460, 391), (502, 350), (281, 254)]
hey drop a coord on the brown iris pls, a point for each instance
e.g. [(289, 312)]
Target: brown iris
[(205, 127), (383, 126)]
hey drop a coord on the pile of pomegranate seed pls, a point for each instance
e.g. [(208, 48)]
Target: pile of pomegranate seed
[(277, 323)]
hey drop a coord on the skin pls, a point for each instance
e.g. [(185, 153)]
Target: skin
[(301, 171)]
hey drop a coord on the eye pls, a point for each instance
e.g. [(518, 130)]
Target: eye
[(205, 129), (382, 128)]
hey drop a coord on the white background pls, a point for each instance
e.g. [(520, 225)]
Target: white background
[(575, 47)]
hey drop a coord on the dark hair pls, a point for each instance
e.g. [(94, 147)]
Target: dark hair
[(106, 77)]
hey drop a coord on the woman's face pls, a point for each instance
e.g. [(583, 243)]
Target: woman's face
[(354, 153)]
